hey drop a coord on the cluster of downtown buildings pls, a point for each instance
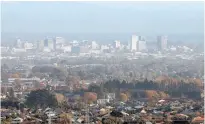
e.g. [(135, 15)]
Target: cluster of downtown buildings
[(59, 44), (138, 43)]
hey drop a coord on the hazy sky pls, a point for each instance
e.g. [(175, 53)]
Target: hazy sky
[(103, 17)]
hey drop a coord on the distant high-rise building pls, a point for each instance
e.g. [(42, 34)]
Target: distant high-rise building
[(28, 46), (54, 44), (40, 45), (18, 50), (67, 48), (75, 49), (141, 45), (141, 38), (19, 43), (84, 49), (49, 43), (104, 48), (162, 42), (94, 45), (133, 44), (58, 42), (45, 43), (117, 44)]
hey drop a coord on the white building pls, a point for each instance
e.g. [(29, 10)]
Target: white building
[(59, 46), (94, 51), (133, 44), (49, 44), (102, 101), (46, 49), (28, 46), (104, 47), (117, 44), (40, 45), (4, 49), (67, 48), (75, 43), (184, 49), (18, 50), (141, 45), (162, 42), (59, 41), (110, 96), (24, 79), (84, 49), (19, 43), (94, 45), (172, 48)]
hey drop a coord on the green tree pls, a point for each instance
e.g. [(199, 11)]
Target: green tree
[(41, 98), (11, 94)]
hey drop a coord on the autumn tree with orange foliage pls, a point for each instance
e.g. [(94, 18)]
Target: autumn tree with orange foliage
[(163, 95), (66, 118), (151, 94), (123, 97), (128, 94), (198, 82), (90, 97), (166, 79), (15, 75), (60, 97)]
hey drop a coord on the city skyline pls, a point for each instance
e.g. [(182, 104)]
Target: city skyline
[(102, 62)]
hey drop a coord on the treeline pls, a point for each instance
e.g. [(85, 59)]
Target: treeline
[(11, 104), (173, 89), (151, 85)]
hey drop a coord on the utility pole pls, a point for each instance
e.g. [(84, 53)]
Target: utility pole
[(87, 112), (49, 119), (19, 109)]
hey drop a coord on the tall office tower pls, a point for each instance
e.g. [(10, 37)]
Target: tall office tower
[(49, 43), (133, 44), (54, 44), (141, 45), (117, 44), (45, 44), (58, 42), (37, 45), (19, 43), (141, 38), (40, 45), (162, 42)]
